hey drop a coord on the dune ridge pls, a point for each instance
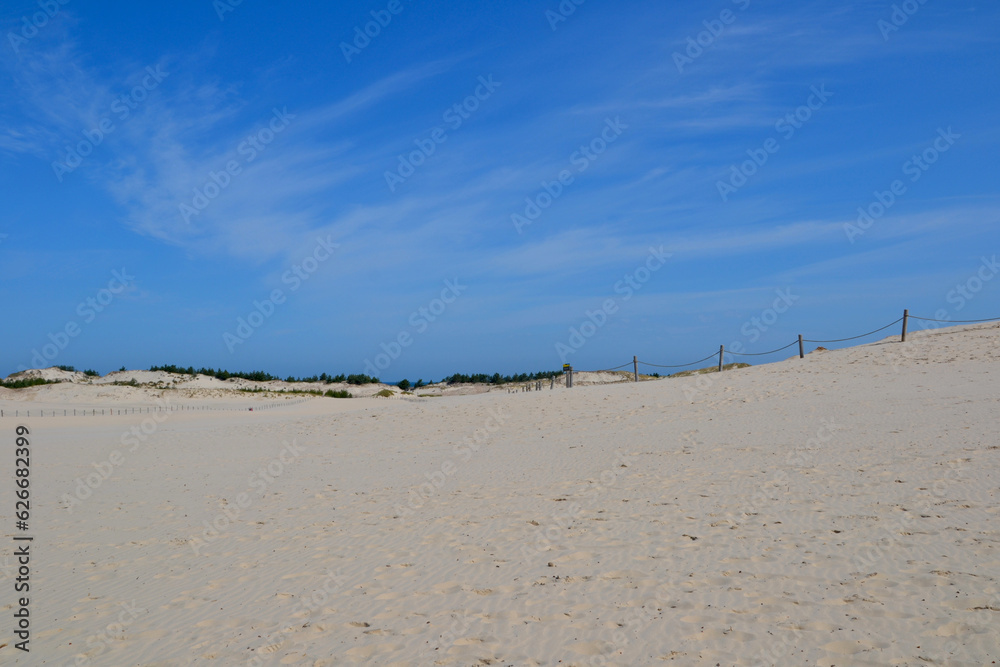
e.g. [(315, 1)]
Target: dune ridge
[(840, 509)]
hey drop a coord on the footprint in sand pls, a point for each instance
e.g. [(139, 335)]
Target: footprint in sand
[(845, 647), (366, 652), (592, 648)]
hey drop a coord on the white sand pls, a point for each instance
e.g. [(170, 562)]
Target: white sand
[(838, 510)]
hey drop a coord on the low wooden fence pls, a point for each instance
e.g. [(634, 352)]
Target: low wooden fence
[(99, 412)]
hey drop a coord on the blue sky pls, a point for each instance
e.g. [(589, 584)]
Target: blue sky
[(222, 153)]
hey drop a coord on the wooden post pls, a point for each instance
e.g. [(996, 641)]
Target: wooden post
[(802, 353), (906, 317), (552, 382), (635, 367), (569, 377), (722, 351)]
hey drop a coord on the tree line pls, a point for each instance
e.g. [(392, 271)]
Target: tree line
[(261, 376), (497, 378)]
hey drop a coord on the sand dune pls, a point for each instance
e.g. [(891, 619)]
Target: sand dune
[(75, 387), (836, 510)]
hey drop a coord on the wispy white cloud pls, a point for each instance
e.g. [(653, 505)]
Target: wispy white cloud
[(167, 148), (696, 100)]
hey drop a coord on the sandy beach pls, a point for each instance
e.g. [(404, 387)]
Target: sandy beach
[(840, 509)]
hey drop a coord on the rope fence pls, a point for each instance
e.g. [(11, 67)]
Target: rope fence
[(609, 370), (841, 340), (761, 354), (927, 319), (680, 365), (537, 385), (635, 363)]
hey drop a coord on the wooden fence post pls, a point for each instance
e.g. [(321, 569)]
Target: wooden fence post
[(802, 354), (906, 317), (722, 351), (635, 367)]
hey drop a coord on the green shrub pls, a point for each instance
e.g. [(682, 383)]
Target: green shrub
[(404, 384), (90, 372), (30, 382), (385, 393), (338, 394)]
